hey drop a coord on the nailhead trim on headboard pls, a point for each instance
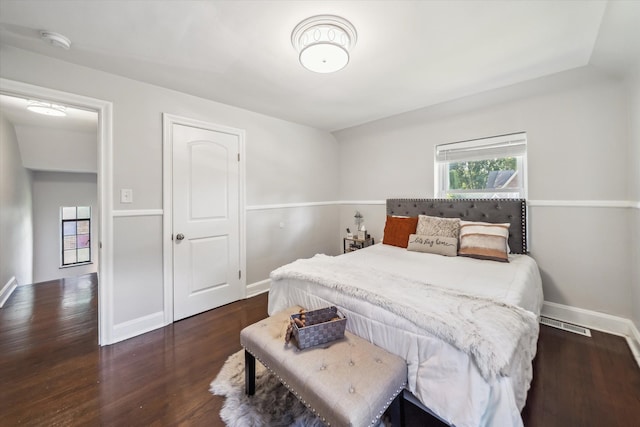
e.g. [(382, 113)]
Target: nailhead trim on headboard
[(513, 211)]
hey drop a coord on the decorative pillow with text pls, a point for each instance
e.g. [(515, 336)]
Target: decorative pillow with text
[(447, 246)]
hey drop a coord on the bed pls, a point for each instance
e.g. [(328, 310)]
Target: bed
[(467, 327)]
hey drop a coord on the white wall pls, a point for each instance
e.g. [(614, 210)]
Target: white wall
[(51, 190), (138, 261), (289, 164), (634, 190), (576, 123), (278, 236), (16, 238), (286, 163), (64, 150)]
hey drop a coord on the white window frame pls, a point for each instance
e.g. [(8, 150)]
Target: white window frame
[(510, 145)]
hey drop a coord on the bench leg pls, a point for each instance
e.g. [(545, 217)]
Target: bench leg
[(396, 411), (249, 373)]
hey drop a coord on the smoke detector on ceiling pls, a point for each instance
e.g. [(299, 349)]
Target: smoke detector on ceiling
[(56, 39)]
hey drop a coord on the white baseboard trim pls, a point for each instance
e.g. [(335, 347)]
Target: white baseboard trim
[(258, 288), (587, 318), (139, 326), (595, 320), (7, 290), (634, 342)]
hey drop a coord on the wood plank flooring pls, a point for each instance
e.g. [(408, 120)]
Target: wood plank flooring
[(52, 371)]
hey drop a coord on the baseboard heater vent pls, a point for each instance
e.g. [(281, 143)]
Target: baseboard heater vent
[(565, 326)]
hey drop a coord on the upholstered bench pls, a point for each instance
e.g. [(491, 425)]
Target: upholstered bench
[(347, 382)]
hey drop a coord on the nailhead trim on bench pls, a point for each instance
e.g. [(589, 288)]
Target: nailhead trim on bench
[(295, 393)]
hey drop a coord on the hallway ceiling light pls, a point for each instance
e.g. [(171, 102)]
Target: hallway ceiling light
[(323, 42), (47, 108), (56, 39)]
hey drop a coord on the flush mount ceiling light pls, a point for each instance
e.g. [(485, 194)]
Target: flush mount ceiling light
[(56, 39), (47, 108), (323, 42)]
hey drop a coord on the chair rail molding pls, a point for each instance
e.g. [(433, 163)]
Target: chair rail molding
[(137, 212), (582, 203)]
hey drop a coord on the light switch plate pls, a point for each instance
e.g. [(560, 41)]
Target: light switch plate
[(126, 195)]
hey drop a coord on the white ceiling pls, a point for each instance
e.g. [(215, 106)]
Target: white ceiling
[(409, 54)]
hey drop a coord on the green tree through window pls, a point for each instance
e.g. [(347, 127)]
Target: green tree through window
[(474, 175)]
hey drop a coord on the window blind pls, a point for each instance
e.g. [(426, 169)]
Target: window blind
[(512, 145)]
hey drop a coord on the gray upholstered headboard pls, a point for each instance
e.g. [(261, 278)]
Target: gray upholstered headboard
[(513, 211)]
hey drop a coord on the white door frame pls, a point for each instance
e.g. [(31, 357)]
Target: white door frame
[(105, 189), (168, 120)]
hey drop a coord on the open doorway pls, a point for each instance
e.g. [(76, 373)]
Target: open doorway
[(57, 146), (71, 173)]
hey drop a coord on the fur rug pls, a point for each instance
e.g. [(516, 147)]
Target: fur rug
[(272, 405)]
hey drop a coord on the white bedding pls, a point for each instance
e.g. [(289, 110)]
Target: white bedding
[(444, 378)]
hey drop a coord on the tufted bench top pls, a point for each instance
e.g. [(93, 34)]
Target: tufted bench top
[(348, 382)]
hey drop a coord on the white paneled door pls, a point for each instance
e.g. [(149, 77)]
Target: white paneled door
[(206, 220)]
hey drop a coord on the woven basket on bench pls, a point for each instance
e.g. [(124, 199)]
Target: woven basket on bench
[(319, 327)]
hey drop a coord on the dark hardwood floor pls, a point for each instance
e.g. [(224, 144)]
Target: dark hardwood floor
[(52, 371)]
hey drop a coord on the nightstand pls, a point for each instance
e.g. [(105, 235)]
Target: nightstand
[(350, 244)]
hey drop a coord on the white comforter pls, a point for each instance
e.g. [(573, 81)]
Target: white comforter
[(443, 377)]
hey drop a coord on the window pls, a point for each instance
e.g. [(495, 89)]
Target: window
[(486, 168), (75, 226)]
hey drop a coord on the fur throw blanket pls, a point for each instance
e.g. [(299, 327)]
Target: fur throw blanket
[(490, 332)]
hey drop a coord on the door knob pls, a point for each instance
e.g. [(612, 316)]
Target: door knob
[(179, 236)]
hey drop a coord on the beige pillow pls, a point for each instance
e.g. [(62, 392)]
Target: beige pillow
[(438, 227), (447, 246), (484, 240)]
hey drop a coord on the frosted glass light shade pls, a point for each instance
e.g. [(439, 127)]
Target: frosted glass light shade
[(323, 43), (324, 58)]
